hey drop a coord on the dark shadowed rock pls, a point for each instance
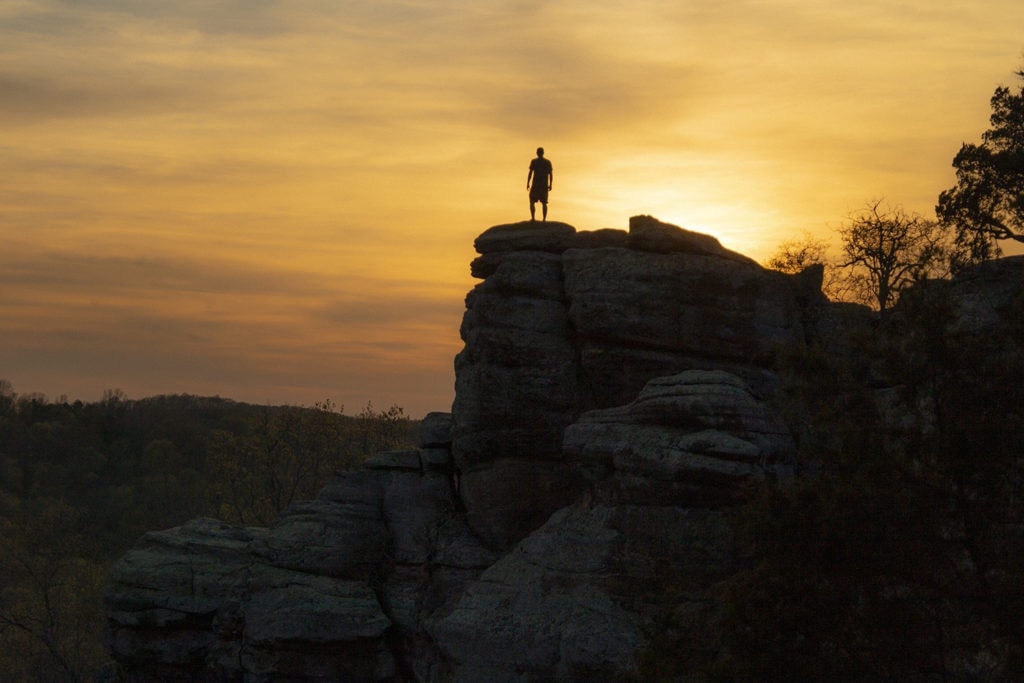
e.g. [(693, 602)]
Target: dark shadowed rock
[(300, 625), (507, 498), (986, 293), (689, 439), (612, 400), (680, 302), (395, 460), (164, 597), (414, 506), (298, 601), (647, 233), (435, 430), (516, 378), (564, 323), (573, 601), (595, 239), (341, 534)]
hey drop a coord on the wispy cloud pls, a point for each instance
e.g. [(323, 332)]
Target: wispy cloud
[(267, 199)]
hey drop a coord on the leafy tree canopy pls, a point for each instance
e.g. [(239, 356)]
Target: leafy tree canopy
[(987, 202)]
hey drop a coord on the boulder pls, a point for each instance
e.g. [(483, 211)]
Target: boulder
[(647, 233), (395, 460), (516, 377), (303, 625), (694, 438), (574, 600), (435, 431), (684, 303), (164, 596), (302, 600), (987, 293), (550, 236), (341, 534)]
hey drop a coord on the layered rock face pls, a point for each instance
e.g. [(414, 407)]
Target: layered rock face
[(567, 321), (574, 600), (318, 596), (613, 397)]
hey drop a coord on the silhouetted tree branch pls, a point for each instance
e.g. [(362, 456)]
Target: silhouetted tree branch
[(987, 202), (887, 249)]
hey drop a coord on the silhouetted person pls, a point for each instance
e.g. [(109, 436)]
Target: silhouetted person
[(541, 174)]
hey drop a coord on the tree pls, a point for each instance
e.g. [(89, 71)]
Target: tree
[(50, 597), (886, 249), (290, 453), (901, 556), (7, 397), (987, 202), (795, 256), (79, 483)]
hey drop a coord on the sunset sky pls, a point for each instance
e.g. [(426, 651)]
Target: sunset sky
[(275, 201)]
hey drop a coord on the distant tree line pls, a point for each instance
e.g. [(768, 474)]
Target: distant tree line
[(81, 482)]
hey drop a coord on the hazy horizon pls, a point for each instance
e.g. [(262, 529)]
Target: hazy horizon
[(275, 202)]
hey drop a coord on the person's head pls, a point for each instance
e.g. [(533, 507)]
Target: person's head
[(540, 151)]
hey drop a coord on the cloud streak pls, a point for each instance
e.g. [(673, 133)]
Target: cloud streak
[(270, 200)]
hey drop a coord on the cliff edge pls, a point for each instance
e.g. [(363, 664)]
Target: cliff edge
[(616, 395)]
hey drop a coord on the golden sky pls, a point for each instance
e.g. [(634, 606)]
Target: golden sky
[(275, 201)]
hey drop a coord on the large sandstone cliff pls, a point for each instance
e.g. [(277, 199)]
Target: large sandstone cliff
[(615, 394)]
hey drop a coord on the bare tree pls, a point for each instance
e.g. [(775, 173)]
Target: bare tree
[(885, 249), (49, 603), (797, 255)]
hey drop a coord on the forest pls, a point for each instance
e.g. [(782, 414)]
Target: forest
[(81, 482)]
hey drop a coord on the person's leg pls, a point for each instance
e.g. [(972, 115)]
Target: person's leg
[(544, 206), (533, 211)]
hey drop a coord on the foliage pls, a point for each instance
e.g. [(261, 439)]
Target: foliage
[(797, 255), (80, 482), (886, 249), (50, 600), (901, 557), (289, 453), (987, 202)]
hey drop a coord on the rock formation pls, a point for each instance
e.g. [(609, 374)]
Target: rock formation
[(565, 322), (614, 397)]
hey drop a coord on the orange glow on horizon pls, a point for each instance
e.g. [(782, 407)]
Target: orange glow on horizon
[(279, 206)]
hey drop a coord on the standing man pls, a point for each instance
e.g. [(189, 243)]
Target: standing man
[(541, 174)]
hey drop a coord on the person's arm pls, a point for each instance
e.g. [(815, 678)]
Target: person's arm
[(551, 176), (529, 176)]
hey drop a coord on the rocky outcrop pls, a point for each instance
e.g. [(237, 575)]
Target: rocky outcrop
[(988, 295), (614, 398), (691, 438), (565, 322), (324, 594), (575, 599)]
